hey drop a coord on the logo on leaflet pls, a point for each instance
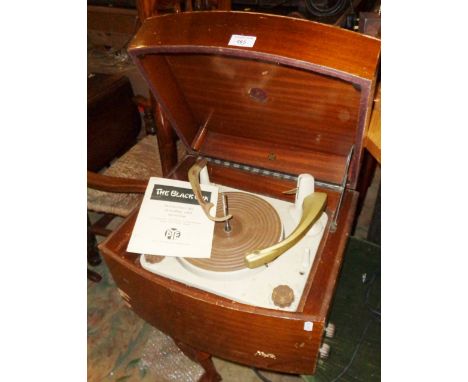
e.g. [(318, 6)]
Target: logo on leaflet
[(172, 234)]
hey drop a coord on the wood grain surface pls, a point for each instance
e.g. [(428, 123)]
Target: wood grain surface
[(298, 101), (227, 329), (122, 345), (295, 102)]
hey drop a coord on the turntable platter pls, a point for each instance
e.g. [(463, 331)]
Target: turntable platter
[(255, 224)]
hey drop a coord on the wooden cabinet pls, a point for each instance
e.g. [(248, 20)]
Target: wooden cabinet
[(296, 100)]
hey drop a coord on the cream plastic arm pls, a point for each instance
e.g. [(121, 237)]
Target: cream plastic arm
[(312, 209)]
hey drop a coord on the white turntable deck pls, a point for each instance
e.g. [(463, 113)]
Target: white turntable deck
[(253, 286)]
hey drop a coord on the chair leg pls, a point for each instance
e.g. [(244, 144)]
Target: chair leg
[(93, 253), (100, 227), (202, 358), (93, 276)]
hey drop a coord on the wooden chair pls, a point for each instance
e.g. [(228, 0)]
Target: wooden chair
[(117, 190), (114, 192), (112, 128)]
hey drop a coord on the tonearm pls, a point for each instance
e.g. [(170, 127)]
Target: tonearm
[(312, 207)]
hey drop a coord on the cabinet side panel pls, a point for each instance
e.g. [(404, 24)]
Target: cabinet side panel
[(246, 336)]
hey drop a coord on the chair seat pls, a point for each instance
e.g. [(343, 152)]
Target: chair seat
[(140, 162)]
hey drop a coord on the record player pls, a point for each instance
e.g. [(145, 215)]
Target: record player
[(273, 111)]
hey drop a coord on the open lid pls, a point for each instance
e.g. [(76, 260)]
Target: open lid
[(268, 91)]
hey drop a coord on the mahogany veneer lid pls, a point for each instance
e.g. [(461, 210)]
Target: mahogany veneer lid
[(295, 101)]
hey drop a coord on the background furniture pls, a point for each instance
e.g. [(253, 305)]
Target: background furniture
[(373, 143), (113, 123), (113, 126)]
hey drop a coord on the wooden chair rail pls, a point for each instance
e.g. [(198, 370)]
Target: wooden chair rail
[(116, 184)]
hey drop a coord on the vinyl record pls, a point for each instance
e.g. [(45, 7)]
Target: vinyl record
[(255, 225)]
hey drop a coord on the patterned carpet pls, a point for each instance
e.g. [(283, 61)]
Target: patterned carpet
[(122, 347)]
